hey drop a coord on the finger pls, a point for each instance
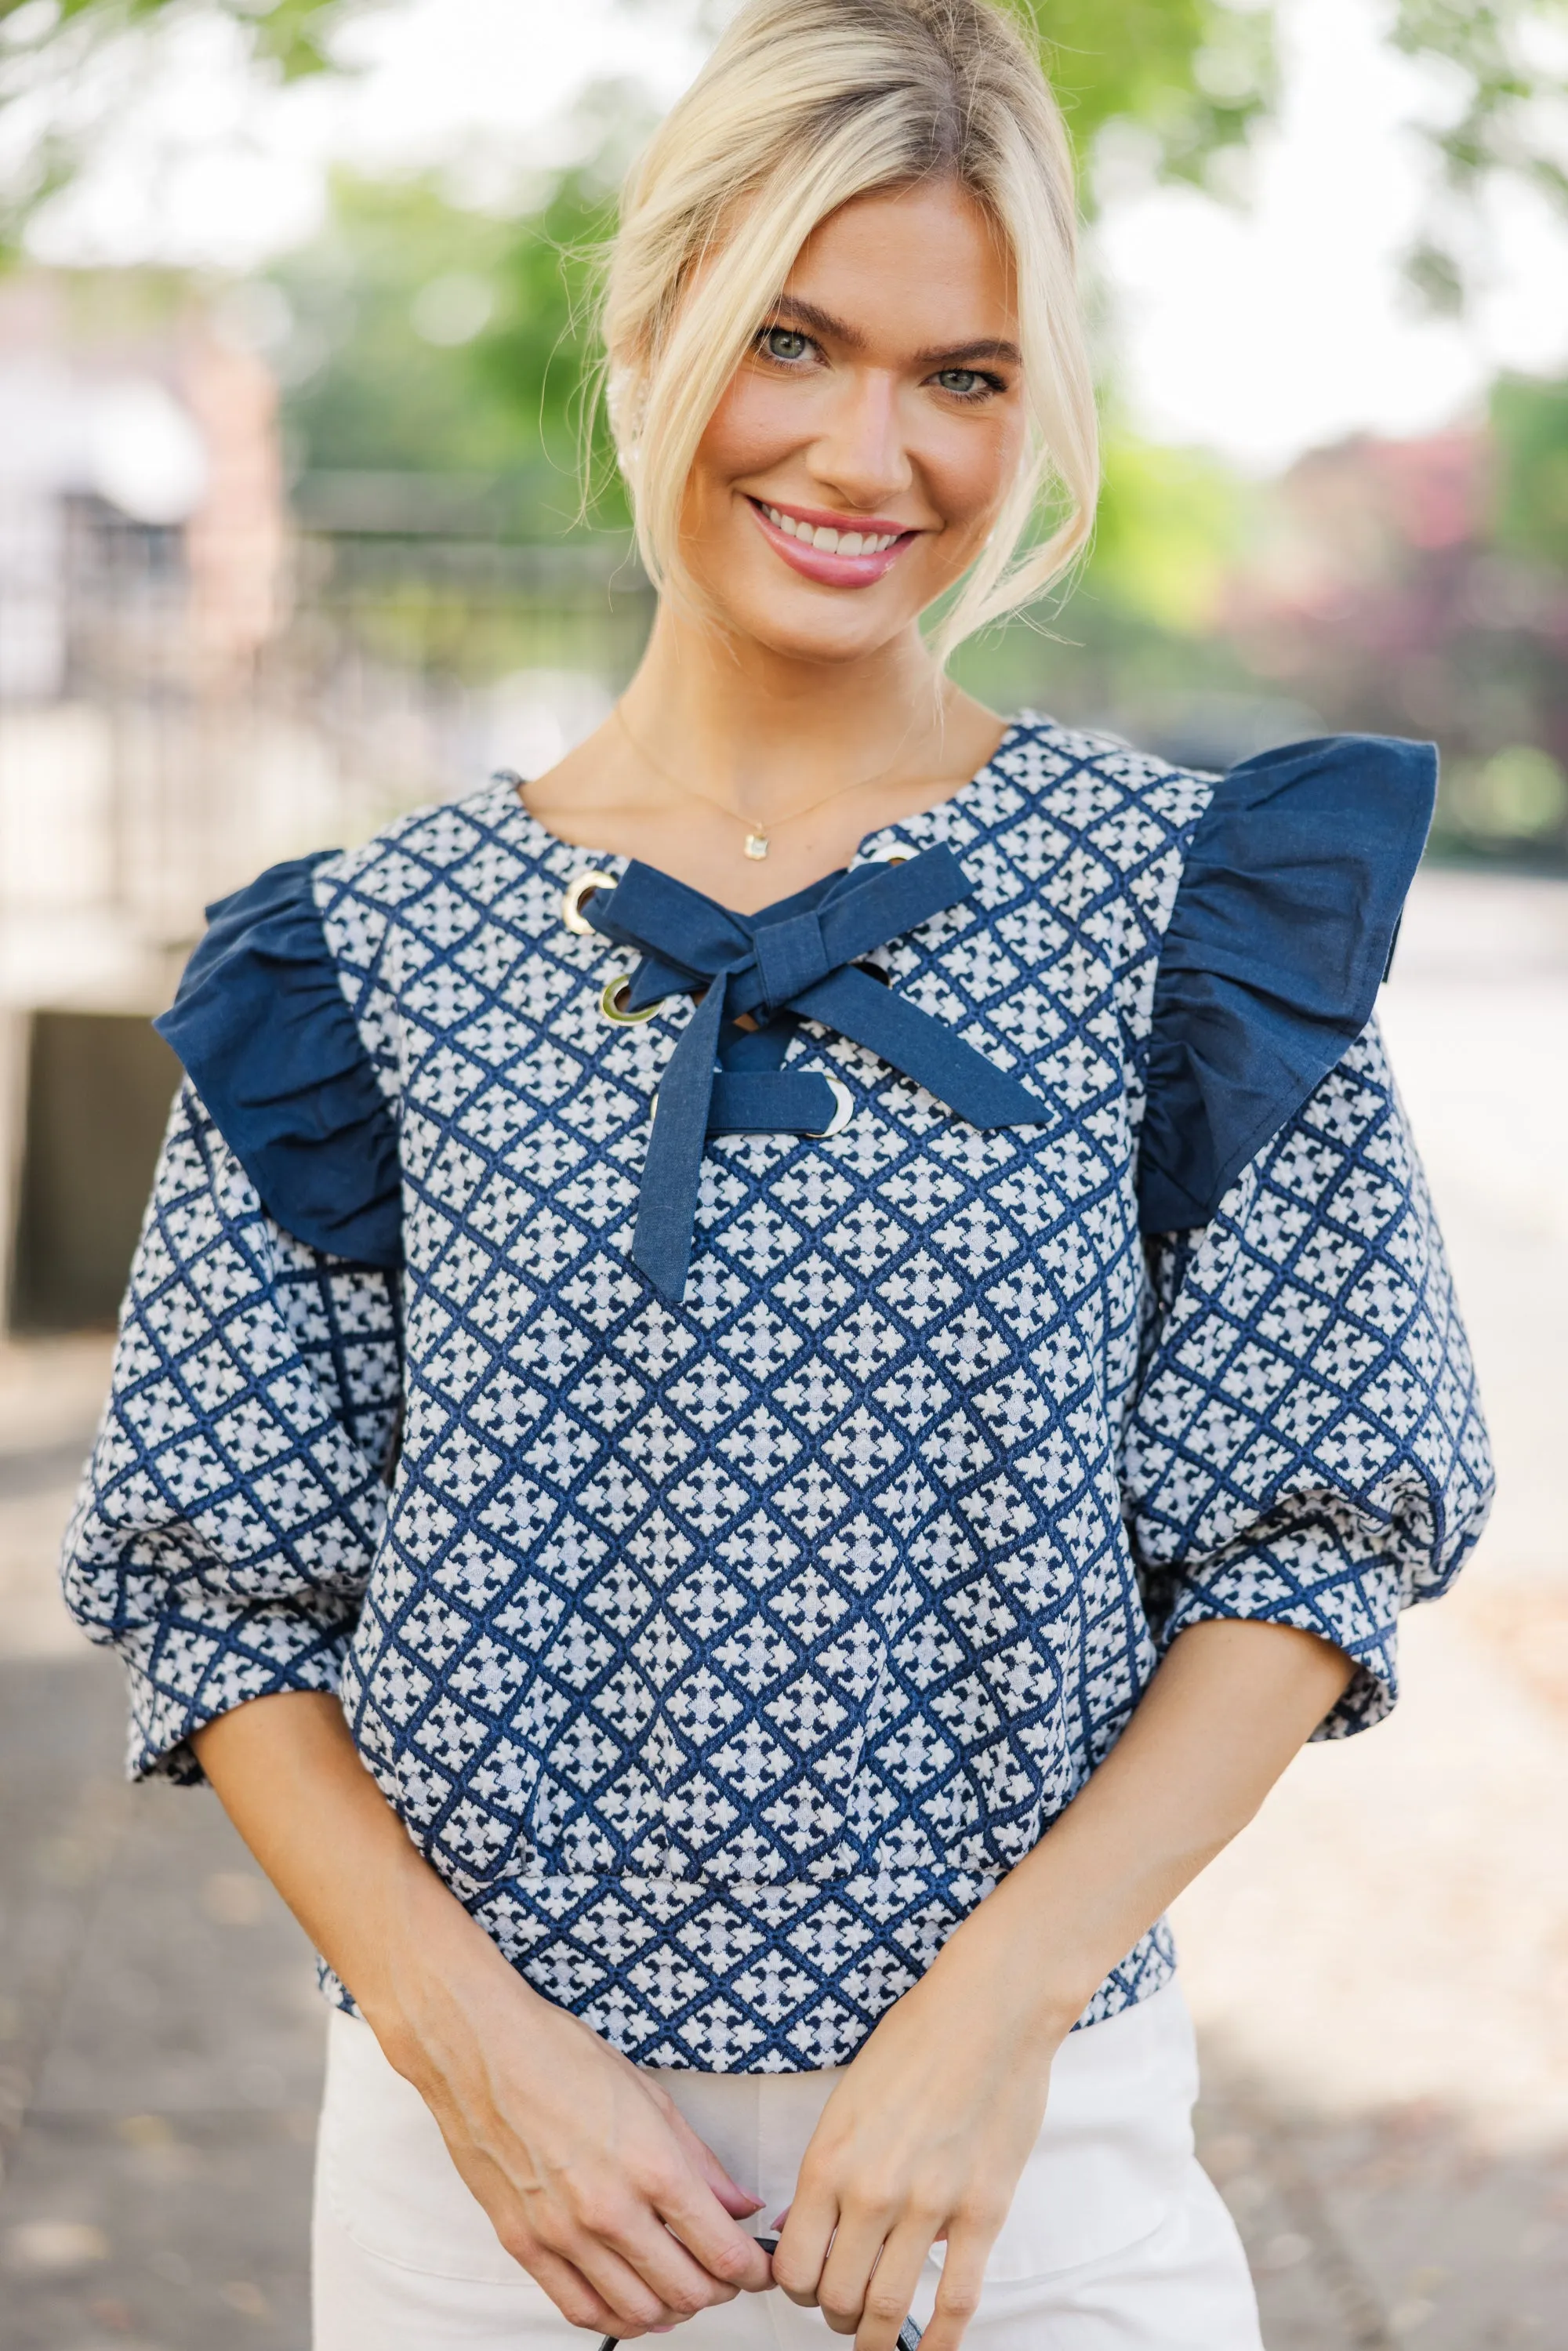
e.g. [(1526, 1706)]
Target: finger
[(612, 2297), (639, 2248), (579, 2304), (692, 2213), (958, 2296), (846, 2273), (634, 2305), (738, 2201), (891, 2287), (803, 2242)]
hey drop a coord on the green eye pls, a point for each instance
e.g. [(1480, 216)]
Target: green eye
[(785, 343), (963, 380)]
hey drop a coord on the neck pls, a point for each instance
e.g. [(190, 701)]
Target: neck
[(751, 723)]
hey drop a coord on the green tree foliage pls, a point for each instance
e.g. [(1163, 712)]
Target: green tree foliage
[(292, 36), (1195, 77), (427, 338), (1505, 95), (1530, 441), (47, 45), (1170, 526)]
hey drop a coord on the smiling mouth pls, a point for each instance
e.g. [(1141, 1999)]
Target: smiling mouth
[(837, 556), (826, 540)]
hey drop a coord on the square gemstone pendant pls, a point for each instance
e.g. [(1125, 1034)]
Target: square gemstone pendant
[(756, 845)]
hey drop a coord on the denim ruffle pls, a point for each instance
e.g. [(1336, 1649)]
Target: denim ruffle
[(264, 1033), (1283, 926), (1282, 931)]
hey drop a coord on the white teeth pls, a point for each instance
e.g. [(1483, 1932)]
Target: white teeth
[(830, 541)]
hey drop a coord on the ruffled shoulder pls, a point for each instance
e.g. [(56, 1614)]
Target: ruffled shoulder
[(1283, 930), (265, 1032)]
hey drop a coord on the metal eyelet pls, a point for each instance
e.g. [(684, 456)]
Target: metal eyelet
[(612, 1002), (841, 1116), (579, 887), (895, 854)]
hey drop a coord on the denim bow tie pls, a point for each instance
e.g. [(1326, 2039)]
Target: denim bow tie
[(795, 959)]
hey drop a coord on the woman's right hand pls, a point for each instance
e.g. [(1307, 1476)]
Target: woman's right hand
[(592, 2179)]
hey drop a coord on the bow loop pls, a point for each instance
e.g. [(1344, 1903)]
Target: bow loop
[(791, 957), (794, 959)]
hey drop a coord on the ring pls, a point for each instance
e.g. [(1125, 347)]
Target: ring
[(579, 887), (842, 1115), (612, 1002)]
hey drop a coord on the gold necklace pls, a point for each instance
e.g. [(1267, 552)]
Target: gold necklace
[(759, 837)]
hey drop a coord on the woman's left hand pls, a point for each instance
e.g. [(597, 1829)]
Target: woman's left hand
[(924, 2138)]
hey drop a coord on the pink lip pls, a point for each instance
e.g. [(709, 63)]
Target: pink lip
[(831, 569)]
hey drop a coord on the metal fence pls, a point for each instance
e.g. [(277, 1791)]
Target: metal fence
[(178, 715), (174, 757)]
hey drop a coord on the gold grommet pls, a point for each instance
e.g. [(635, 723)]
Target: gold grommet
[(894, 854), (612, 1002), (579, 887), (842, 1115)]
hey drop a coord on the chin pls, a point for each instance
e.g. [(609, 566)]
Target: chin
[(814, 625), (817, 642)]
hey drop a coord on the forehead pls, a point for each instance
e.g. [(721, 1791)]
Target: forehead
[(923, 265)]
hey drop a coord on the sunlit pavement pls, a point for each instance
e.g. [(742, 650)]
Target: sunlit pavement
[(1379, 1967)]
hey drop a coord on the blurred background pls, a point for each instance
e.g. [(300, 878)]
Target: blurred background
[(295, 358)]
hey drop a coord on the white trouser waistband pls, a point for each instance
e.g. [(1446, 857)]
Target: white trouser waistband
[(1115, 2240)]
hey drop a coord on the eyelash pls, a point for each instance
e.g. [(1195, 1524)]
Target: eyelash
[(985, 382)]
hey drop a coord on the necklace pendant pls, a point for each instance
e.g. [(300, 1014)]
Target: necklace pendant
[(756, 845)]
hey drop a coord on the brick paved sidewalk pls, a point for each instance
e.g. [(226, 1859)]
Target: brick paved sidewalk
[(1379, 1967)]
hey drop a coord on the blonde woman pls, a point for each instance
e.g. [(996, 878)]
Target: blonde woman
[(773, 1376)]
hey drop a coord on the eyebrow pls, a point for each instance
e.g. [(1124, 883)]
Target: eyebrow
[(810, 314)]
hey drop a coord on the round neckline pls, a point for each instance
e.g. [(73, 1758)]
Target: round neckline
[(550, 842)]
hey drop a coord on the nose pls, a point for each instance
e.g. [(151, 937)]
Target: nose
[(860, 454)]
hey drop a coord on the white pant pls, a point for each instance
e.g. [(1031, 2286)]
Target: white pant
[(1116, 2239)]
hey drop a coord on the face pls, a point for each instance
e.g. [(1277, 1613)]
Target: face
[(861, 452)]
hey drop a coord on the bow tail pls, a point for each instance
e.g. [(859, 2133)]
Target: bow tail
[(899, 1032), (672, 1173)]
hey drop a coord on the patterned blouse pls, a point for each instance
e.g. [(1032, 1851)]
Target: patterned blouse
[(736, 1535)]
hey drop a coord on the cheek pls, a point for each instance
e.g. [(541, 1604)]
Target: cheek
[(971, 471), (755, 425)]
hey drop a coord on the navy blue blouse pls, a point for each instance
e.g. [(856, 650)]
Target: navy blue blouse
[(832, 1352)]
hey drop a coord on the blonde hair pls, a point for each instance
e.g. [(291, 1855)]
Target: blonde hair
[(803, 105)]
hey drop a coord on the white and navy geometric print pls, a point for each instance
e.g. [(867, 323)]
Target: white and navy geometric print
[(721, 1657)]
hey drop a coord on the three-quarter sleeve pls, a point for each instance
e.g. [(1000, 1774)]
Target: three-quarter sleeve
[(1307, 1446), (231, 1508)]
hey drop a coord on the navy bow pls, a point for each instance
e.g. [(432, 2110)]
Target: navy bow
[(795, 959)]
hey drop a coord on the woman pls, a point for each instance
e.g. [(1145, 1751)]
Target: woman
[(767, 1387)]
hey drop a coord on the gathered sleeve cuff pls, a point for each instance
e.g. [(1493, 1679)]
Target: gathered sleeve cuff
[(1283, 929), (229, 1514), (265, 1035), (1306, 1446)]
